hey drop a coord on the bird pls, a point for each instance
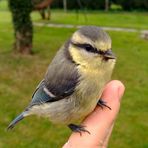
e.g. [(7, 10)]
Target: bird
[(74, 81)]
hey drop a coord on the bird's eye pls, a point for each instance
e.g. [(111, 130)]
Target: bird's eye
[(89, 48)]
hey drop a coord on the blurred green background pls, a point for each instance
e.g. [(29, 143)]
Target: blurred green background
[(20, 74)]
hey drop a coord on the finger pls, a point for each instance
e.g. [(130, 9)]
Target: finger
[(106, 140), (100, 121)]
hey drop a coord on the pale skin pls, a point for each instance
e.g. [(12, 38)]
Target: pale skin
[(101, 121)]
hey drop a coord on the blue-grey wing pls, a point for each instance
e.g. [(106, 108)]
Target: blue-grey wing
[(40, 95), (43, 95), (60, 80)]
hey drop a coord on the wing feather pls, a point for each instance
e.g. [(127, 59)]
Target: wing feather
[(60, 80)]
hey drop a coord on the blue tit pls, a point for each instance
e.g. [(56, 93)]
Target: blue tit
[(74, 80)]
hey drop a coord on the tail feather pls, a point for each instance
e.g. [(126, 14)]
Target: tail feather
[(16, 120)]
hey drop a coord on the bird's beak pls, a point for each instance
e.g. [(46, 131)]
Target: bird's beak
[(109, 54)]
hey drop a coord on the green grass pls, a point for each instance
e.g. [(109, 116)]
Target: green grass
[(113, 19), (19, 75), (136, 20), (3, 5)]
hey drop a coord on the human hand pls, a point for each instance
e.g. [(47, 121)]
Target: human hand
[(101, 121)]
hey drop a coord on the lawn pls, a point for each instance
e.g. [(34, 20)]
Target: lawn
[(137, 20), (19, 76), (113, 19)]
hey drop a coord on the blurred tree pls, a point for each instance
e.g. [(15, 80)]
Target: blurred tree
[(23, 29), (102, 4), (65, 5), (106, 5), (132, 4), (45, 13), (75, 4)]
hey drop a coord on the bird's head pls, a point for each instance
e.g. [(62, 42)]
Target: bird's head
[(90, 47)]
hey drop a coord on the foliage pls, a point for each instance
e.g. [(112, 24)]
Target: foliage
[(132, 4), (100, 4), (21, 12), (80, 4), (35, 2)]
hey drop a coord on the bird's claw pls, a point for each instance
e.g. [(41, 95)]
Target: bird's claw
[(102, 103), (78, 128)]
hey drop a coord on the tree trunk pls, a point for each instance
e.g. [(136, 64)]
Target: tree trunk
[(23, 33), (106, 5), (23, 29), (65, 5), (45, 13)]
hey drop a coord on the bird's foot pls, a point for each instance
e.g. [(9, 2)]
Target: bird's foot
[(78, 128), (102, 104)]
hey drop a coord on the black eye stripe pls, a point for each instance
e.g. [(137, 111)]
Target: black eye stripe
[(88, 48)]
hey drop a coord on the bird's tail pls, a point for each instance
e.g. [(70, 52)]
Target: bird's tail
[(16, 120)]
